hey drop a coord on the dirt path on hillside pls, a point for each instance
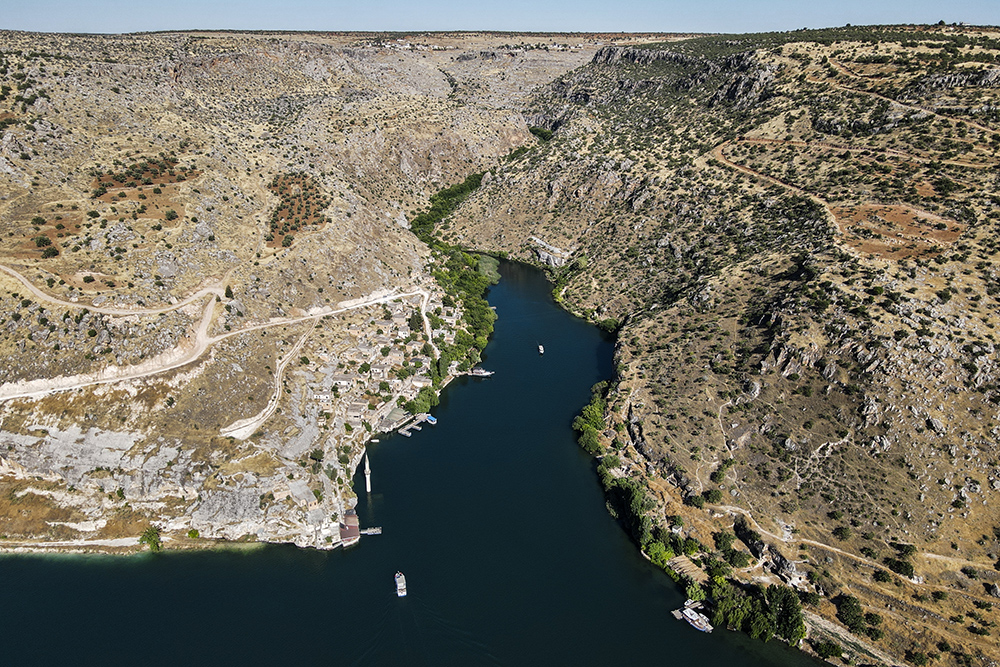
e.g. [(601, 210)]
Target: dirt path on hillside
[(846, 72), (187, 350)]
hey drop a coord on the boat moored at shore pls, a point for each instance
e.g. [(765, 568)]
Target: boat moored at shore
[(689, 612)]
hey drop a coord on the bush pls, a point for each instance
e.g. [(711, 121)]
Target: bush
[(151, 538), (882, 576), (810, 598), (899, 566), (51, 251), (850, 614), (194, 534), (541, 133), (42, 241), (170, 214), (828, 649)]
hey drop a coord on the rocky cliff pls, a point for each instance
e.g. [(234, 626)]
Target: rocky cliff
[(795, 237)]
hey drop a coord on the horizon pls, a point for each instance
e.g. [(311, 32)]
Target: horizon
[(472, 31), (109, 17)]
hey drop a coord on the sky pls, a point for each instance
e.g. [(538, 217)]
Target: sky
[(730, 16)]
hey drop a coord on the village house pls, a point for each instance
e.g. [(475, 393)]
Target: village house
[(302, 494), (342, 380), (420, 381)]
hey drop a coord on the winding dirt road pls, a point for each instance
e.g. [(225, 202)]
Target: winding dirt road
[(188, 350)]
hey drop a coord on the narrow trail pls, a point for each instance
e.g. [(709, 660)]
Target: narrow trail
[(719, 153), (846, 72), (185, 352), (860, 149), (244, 428), (214, 289)]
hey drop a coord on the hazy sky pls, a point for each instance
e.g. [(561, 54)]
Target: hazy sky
[(111, 16)]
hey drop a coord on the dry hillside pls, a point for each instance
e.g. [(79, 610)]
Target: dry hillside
[(795, 236)]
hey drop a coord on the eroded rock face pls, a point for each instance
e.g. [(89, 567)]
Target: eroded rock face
[(183, 359)]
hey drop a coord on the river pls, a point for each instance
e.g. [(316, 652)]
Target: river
[(495, 516)]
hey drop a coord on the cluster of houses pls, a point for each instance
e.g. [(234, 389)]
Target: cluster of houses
[(380, 357)]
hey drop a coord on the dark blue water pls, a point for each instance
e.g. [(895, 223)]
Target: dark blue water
[(494, 515)]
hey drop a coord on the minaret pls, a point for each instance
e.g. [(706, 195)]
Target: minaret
[(368, 475)]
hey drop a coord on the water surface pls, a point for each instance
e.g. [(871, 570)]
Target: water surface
[(495, 516)]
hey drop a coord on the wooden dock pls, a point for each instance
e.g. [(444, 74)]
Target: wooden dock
[(413, 424)]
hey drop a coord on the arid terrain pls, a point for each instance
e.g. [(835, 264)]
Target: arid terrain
[(207, 279), (795, 237), (211, 296)]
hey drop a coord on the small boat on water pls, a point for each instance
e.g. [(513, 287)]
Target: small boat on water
[(696, 620), (400, 585), (541, 350), (480, 373)]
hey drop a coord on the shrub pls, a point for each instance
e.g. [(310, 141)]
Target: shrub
[(850, 614), (842, 532), (541, 133), (828, 649), (170, 214), (151, 538), (899, 566)]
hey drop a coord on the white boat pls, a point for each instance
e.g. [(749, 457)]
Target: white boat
[(696, 620), (400, 585), (541, 350), (480, 373)]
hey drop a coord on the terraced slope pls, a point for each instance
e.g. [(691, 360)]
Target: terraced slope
[(795, 236)]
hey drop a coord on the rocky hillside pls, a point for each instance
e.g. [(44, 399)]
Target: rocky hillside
[(795, 236), (209, 294)]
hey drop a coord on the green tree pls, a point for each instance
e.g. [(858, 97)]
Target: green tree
[(787, 611), (849, 613), (694, 591), (151, 538), (828, 649)]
